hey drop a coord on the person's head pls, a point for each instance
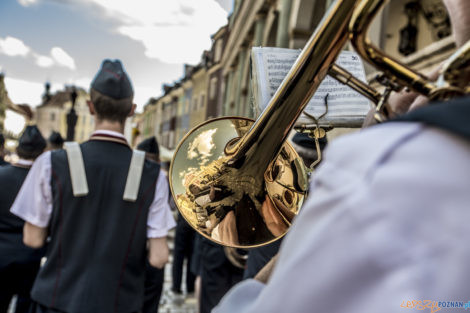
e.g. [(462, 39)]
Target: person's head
[(31, 143), (305, 147), (55, 141), (150, 146), (111, 93)]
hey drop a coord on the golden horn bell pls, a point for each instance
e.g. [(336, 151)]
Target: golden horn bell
[(237, 181)]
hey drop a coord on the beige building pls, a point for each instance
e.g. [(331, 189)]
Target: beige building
[(220, 84)]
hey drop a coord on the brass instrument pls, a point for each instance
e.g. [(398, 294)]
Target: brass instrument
[(237, 181)]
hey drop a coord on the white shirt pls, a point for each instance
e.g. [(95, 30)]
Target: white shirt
[(34, 200), (386, 223)]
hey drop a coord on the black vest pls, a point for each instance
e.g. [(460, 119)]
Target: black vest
[(12, 249), (452, 116), (96, 257)]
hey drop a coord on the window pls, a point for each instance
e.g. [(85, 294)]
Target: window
[(195, 104), (52, 116), (213, 88), (201, 105)]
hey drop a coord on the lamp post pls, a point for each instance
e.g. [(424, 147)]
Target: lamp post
[(72, 117)]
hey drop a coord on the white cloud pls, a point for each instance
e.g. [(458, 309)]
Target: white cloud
[(27, 3), (44, 61), (14, 122), (62, 58), (12, 46), (23, 91), (175, 31)]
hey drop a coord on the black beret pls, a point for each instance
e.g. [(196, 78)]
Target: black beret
[(31, 140), (305, 141), (112, 81), (149, 145), (56, 139)]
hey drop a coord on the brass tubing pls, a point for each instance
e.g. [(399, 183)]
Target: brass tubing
[(255, 150), (396, 71), (345, 77)]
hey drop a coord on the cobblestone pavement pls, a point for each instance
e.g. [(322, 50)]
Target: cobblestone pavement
[(171, 303)]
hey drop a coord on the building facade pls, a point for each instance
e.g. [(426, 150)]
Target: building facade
[(416, 32)]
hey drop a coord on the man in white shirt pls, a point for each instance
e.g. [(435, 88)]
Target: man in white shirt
[(19, 264), (101, 204)]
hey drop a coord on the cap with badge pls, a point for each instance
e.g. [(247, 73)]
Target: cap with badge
[(112, 81), (31, 142)]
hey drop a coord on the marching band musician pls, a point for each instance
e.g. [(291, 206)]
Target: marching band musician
[(2, 150), (100, 203), (55, 141), (153, 276), (386, 221), (19, 264)]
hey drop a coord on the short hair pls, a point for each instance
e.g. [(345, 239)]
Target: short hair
[(110, 109)]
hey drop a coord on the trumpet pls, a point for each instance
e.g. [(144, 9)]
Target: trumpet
[(238, 182)]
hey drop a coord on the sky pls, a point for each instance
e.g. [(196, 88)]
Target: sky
[(64, 42)]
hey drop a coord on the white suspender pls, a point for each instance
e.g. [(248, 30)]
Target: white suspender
[(77, 169), (78, 176), (134, 176)]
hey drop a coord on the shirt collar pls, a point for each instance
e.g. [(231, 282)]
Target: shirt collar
[(109, 135), (23, 163)]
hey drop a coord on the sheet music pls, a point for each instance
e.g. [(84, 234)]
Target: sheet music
[(271, 65)]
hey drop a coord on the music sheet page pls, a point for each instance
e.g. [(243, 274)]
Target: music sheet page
[(271, 65)]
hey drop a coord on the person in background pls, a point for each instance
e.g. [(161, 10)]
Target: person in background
[(55, 141), (154, 277), (101, 204), (2, 150), (183, 249), (150, 146), (19, 264)]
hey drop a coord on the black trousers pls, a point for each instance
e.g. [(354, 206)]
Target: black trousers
[(218, 275), (17, 279), (153, 288), (184, 239)]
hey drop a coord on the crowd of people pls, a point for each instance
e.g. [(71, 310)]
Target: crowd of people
[(83, 228)]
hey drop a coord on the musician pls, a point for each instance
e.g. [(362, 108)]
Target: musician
[(2, 150), (55, 141), (153, 276), (100, 223), (218, 274), (18, 264), (385, 224)]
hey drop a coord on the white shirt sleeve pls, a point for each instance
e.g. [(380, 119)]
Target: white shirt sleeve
[(383, 226), (160, 220), (34, 200)]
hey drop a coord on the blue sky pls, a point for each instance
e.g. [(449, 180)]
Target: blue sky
[(64, 41)]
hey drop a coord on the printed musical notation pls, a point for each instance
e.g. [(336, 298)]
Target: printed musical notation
[(271, 65)]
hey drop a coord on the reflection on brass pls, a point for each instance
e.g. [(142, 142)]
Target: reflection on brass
[(224, 204), (246, 193)]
